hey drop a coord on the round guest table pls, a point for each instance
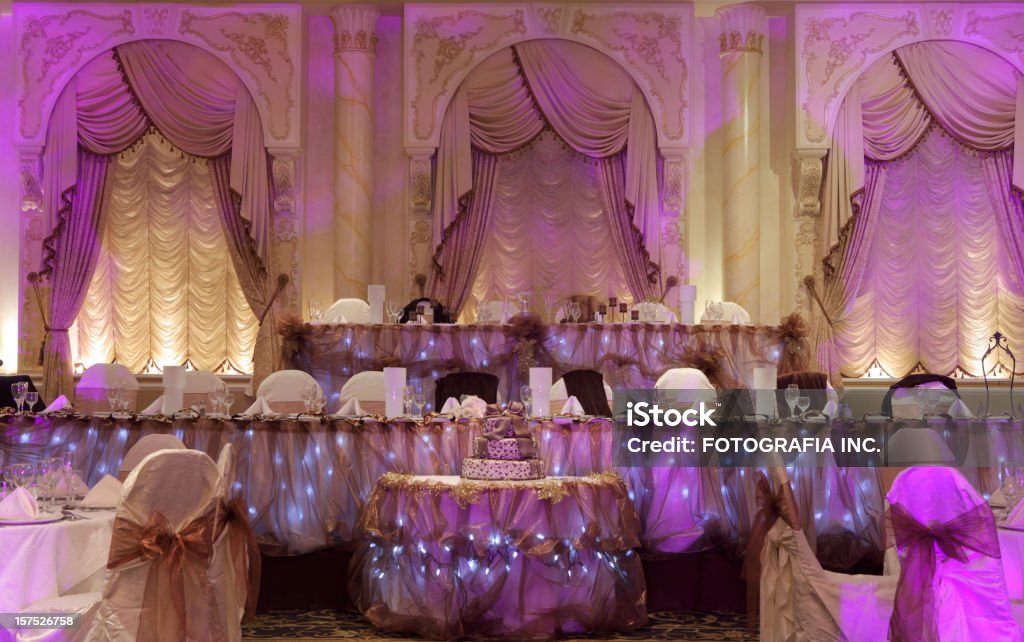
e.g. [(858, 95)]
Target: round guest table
[(444, 557)]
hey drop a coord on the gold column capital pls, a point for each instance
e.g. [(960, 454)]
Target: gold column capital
[(355, 28), (743, 28)]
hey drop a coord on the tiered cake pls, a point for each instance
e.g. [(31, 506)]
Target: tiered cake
[(506, 451)]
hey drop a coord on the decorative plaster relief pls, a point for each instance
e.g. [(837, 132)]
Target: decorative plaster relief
[(261, 43), (809, 185), (444, 42)]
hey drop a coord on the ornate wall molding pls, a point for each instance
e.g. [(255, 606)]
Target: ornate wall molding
[(420, 181), (261, 43), (444, 42), (835, 43), (809, 181), (743, 28)]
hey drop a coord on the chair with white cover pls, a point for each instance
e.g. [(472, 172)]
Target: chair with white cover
[(560, 394), (799, 600), (492, 311), (235, 571), (145, 447), (726, 312), (282, 390), (169, 510), (655, 312), (366, 388), (91, 389), (198, 386), (692, 384), (348, 311), (951, 583)]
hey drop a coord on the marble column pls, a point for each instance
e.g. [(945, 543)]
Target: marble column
[(743, 28), (355, 44)]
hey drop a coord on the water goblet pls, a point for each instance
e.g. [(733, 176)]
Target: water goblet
[(526, 396), (229, 401), (18, 391), (803, 402), (31, 398), (420, 401), (792, 395), (575, 311), (23, 474), (44, 473), (408, 399)]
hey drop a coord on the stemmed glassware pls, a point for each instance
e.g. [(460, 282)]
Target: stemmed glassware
[(46, 474), (408, 399), (217, 398), (23, 475), (312, 397), (18, 391), (1013, 484), (394, 310), (315, 311), (526, 396), (419, 400), (792, 395), (524, 303), (31, 399), (574, 311), (803, 402)]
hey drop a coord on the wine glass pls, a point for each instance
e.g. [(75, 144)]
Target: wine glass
[(483, 313), (46, 473), (574, 311), (18, 391), (524, 303), (31, 398), (803, 402), (229, 401), (792, 394), (394, 311), (408, 398), (1012, 487), (23, 474), (526, 396), (315, 310), (420, 401)]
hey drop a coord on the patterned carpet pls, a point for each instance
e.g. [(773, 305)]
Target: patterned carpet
[(337, 625)]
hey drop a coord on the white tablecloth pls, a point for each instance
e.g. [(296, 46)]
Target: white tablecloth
[(1011, 545), (49, 560)]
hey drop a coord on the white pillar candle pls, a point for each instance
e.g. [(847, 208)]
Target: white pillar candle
[(687, 304), (394, 386), (540, 385), (174, 389), (375, 297), (764, 390)]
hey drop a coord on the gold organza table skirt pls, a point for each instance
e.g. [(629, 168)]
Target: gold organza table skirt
[(629, 355), (448, 558)]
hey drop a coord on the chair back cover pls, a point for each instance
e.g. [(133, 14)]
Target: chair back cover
[(200, 382), (348, 311), (409, 311), (559, 394), (158, 580), (367, 387), (813, 384), (456, 384), (92, 386), (588, 387), (694, 385), (951, 584), (925, 380), (7, 398), (283, 390), (145, 447)]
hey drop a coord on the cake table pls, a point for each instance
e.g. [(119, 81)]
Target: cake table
[(444, 557)]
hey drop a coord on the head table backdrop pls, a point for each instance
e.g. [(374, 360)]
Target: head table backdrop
[(307, 481)]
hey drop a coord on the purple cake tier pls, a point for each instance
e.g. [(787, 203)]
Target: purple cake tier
[(510, 449), (502, 469)]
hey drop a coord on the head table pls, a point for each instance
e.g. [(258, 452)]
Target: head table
[(306, 481), (629, 355)]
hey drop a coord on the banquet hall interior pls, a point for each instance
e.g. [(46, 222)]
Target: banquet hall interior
[(327, 320)]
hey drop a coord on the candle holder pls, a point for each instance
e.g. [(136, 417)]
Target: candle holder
[(613, 303), (998, 342)]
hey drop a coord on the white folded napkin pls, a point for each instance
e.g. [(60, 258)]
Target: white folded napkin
[(830, 409), (155, 408), (61, 489), (452, 407), (959, 410), (19, 505), (1016, 517), (473, 407), (259, 407), (997, 499), (572, 406), (60, 403), (105, 494), (351, 408)]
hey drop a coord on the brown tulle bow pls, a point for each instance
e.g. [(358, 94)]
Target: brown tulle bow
[(169, 553), (793, 330), (771, 505), (245, 551), (505, 423), (913, 618)]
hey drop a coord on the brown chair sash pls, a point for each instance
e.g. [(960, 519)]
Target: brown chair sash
[(244, 549), (169, 553), (770, 507)]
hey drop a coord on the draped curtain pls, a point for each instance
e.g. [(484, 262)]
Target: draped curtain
[(560, 190), (202, 108), (162, 291), (891, 179), (502, 106)]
